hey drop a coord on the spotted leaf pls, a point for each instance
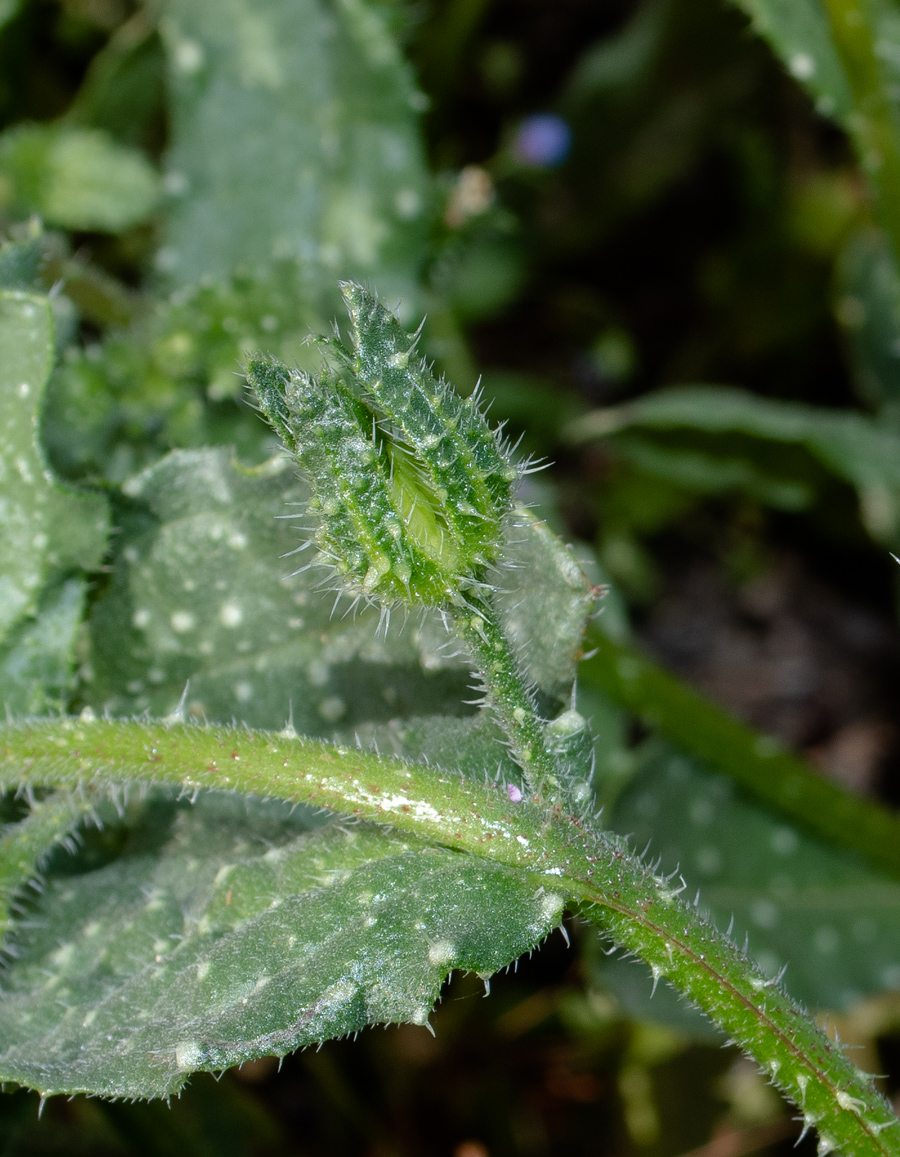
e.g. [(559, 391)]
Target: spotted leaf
[(246, 932), (211, 604), (833, 921)]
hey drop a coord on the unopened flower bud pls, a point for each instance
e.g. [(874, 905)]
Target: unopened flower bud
[(409, 482)]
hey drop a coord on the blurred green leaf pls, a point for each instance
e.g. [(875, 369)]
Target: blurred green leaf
[(622, 60), (868, 308), (721, 465), (74, 177), (235, 941), (20, 262), (124, 87), (46, 530), (8, 10), (800, 34), (850, 445), (803, 903), (295, 137)]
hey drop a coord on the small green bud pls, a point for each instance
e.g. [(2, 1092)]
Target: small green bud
[(408, 480), (569, 739), (457, 451)]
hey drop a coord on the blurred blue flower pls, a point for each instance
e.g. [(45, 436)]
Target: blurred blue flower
[(543, 141)]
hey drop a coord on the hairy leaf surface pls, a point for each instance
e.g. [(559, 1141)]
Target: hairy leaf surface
[(295, 160), (24, 844), (36, 658), (244, 936), (209, 597), (545, 600), (294, 137)]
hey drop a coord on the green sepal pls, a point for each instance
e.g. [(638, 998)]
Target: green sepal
[(410, 484), (470, 472), (362, 531)]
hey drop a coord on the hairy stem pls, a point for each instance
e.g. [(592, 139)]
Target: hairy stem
[(591, 871), (507, 692), (873, 124)]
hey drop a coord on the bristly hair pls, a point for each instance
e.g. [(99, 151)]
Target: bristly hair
[(410, 484)]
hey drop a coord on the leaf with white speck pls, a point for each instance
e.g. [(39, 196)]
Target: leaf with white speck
[(46, 530), (36, 657), (202, 580), (295, 137), (545, 600), (241, 935), (831, 919), (210, 598)]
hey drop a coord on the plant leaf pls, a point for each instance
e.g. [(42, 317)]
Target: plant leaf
[(473, 746), (8, 10), (123, 88), (241, 938), (75, 177), (834, 921), (150, 387), (46, 530), (36, 658), (852, 446), (23, 845), (544, 599), (800, 35), (315, 98), (868, 308), (200, 582), (21, 261), (316, 94)]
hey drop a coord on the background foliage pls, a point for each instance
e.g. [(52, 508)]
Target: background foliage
[(594, 203)]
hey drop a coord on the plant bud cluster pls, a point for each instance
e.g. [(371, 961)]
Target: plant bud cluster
[(409, 482)]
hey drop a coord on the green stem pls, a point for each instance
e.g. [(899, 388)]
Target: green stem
[(480, 629), (636, 908), (874, 123), (777, 778)]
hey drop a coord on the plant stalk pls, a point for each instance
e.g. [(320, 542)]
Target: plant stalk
[(590, 870), (507, 693)]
